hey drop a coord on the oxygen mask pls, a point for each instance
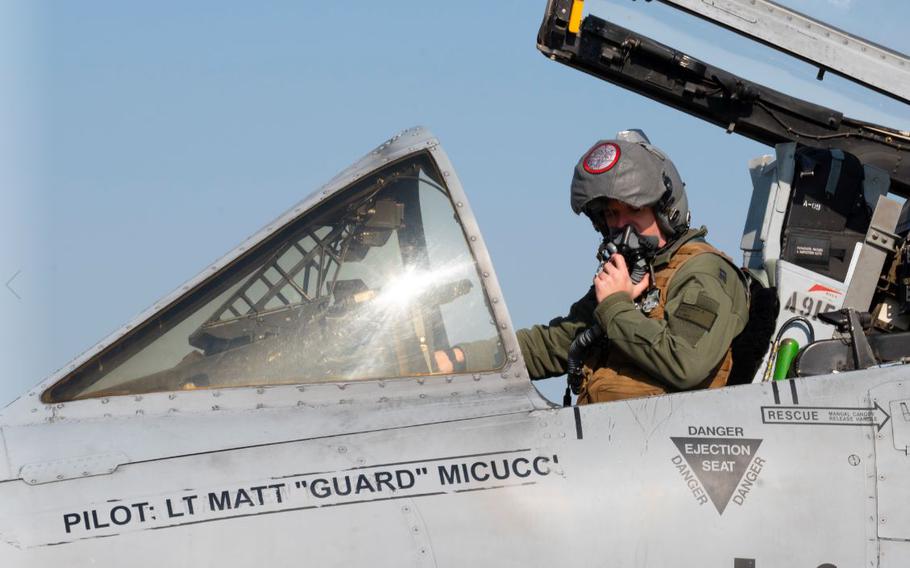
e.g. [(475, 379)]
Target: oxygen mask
[(637, 250)]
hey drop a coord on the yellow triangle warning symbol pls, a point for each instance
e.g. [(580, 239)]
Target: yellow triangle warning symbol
[(718, 463)]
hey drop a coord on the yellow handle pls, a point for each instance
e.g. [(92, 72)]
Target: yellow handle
[(578, 7)]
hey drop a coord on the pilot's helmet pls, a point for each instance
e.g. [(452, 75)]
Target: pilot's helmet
[(631, 170)]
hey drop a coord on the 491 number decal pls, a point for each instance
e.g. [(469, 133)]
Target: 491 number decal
[(807, 305)]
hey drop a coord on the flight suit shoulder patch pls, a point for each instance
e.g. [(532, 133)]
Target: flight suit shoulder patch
[(693, 320), (701, 312)]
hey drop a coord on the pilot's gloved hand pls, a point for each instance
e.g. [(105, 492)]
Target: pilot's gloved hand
[(449, 360), (614, 277)]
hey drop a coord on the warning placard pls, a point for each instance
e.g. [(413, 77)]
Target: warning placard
[(719, 464), (825, 415)]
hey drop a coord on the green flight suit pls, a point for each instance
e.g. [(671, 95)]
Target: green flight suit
[(706, 307)]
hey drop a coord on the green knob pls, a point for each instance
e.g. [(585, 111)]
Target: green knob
[(785, 355)]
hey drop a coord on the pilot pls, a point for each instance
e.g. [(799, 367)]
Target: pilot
[(670, 331)]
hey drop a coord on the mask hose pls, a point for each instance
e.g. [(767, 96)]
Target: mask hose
[(574, 362)]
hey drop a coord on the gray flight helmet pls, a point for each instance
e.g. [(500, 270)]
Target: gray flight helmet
[(631, 170)]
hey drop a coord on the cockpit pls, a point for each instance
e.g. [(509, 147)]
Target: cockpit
[(371, 280)]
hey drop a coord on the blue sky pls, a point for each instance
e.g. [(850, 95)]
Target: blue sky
[(142, 141)]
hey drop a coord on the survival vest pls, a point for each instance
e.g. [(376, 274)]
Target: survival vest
[(611, 375)]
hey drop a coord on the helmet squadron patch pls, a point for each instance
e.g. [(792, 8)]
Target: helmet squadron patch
[(601, 158)]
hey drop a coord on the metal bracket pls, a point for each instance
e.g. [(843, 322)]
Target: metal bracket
[(862, 352), (882, 239), (872, 258)]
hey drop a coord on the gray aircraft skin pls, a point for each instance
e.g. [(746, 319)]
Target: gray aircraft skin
[(281, 408), (450, 470)]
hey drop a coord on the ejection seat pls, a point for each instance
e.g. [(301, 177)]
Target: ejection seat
[(822, 237)]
